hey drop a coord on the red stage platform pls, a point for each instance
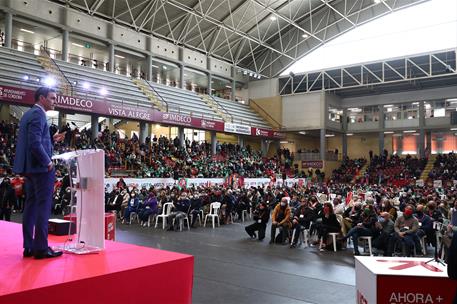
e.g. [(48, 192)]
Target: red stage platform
[(123, 273)]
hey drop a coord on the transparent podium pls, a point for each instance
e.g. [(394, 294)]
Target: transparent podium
[(86, 169)]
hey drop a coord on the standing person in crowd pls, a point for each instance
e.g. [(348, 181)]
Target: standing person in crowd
[(7, 199), (280, 219), (33, 160), (261, 217)]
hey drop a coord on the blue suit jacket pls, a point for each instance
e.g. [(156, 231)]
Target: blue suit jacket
[(34, 147)]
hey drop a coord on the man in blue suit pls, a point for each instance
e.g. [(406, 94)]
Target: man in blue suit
[(33, 160)]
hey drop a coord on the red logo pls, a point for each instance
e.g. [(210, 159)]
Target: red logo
[(409, 264)]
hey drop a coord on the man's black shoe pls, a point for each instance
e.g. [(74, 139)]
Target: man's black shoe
[(27, 253), (46, 254)]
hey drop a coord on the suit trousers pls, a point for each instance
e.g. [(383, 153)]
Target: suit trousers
[(37, 209)]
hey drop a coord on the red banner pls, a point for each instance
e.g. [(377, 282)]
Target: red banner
[(103, 107), (316, 164), (267, 133)]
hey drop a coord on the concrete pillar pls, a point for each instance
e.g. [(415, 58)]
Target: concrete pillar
[(399, 140), (421, 139), (5, 112), (111, 57), (264, 147), (213, 142), (323, 146), (111, 124), (8, 29), (439, 143), (381, 117), (181, 76), (149, 67), (143, 131), (421, 143), (381, 143), (94, 126), (428, 139), (210, 79), (233, 90), (61, 120), (65, 40), (344, 144), (241, 141), (181, 136)]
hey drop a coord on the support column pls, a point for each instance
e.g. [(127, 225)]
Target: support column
[(111, 124), (181, 136), (213, 142), (241, 141), (233, 90), (65, 39), (399, 140), (149, 67), (381, 118), (8, 29), (93, 126), (428, 139), (264, 147), (421, 140), (181, 76), (344, 137), (61, 120), (210, 79), (344, 144), (439, 144), (143, 132), (111, 57), (323, 146), (5, 112), (381, 143)]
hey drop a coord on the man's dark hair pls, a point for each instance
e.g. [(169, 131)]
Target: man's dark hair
[(43, 91)]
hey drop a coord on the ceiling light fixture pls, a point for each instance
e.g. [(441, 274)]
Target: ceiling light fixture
[(27, 31), (272, 18), (305, 35), (119, 56), (77, 44)]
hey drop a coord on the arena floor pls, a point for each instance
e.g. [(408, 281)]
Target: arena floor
[(231, 268)]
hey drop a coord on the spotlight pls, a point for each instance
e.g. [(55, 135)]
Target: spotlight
[(75, 83), (25, 77), (272, 18), (103, 91), (49, 81), (250, 74), (37, 80), (86, 85)]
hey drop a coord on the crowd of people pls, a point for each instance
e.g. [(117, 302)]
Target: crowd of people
[(444, 168), (349, 169), (388, 170), (400, 220)]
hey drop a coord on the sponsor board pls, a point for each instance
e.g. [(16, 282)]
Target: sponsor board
[(237, 128), (316, 164)]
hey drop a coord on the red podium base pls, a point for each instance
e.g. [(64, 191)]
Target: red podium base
[(122, 273)]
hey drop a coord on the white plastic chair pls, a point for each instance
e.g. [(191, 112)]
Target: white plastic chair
[(133, 215), (303, 238), (367, 239), (166, 210), (213, 213)]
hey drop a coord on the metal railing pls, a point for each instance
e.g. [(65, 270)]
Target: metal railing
[(157, 93), (46, 52), (223, 108), (259, 108)]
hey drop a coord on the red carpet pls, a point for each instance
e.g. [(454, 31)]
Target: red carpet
[(123, 273)]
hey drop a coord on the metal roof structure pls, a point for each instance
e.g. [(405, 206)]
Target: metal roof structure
[(263, 36)]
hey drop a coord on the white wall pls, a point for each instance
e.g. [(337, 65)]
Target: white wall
[(263, 88), (303, 111)]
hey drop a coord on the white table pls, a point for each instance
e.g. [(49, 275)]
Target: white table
[(396, 280)]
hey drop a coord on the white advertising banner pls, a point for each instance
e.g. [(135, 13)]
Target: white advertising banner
[(437, 183), (237, 128), (158, 183)]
